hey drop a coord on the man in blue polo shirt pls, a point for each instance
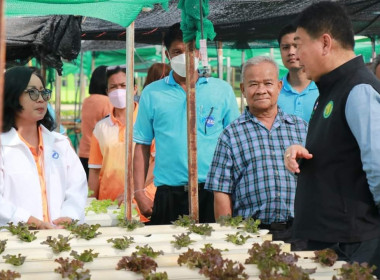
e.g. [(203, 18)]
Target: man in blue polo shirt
[(162, 115), (298, 93)]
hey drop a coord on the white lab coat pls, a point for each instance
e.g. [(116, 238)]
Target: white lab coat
[(20, 190)]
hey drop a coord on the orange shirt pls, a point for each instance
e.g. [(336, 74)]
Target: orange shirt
[(38, 155), (94, 108), (108, 153)]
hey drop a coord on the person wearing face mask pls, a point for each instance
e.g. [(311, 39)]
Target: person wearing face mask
[(107, 152), (162, 116)]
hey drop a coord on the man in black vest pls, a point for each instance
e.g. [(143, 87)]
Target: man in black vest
[(338, 191)]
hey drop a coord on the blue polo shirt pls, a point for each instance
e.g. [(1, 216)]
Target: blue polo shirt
[(295, 103), (163, 115)]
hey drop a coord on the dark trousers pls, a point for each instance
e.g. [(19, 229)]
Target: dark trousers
[(366, 251), (171, 202), (284, 232), (84, 162)]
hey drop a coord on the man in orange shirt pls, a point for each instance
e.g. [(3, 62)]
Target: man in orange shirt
[(107, 152)]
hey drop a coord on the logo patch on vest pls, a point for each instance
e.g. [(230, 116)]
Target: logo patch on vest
[(328, 109)]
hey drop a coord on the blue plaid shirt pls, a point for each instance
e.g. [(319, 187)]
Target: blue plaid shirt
[(248, 163)]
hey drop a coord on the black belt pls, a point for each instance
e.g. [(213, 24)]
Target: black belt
[(180, 188), (278, 225)]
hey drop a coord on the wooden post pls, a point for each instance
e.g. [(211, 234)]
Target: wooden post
[(220, 60), (2, 57), (192, 132), (128, 187), (58, 86)]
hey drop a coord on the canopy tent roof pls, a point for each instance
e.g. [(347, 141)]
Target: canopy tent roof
[(234, 20), (50, 38), (122, 12), (146, 55), (238, 23)]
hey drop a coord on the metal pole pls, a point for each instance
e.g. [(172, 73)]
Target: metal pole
[(92, 61), (373, 44), (2, 57), (201, 18), (162, 52), (192, 132), (82, 83), (58, 83), (43, 71), (233, 73), (241, 71), (128, 191), (229, 70), (220, 60)]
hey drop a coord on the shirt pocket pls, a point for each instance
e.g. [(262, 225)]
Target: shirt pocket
[(209, 120)]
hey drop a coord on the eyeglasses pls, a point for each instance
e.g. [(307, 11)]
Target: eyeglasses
[(34, 94)]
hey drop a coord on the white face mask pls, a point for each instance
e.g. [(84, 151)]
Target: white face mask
[(118, 98), (178, 64)]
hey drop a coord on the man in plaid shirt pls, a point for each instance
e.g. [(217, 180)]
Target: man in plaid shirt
[(247, 173)]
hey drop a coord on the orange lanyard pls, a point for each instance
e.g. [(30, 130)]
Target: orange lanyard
[(38, 155)]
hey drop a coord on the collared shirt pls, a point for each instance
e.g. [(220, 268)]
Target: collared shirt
[(163, 115), (297, 103), (363, 118), (249, 164), (107, 152)]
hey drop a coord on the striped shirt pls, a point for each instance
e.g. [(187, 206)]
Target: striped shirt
[(248, 163)]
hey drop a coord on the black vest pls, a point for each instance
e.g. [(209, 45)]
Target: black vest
[(333, 202)]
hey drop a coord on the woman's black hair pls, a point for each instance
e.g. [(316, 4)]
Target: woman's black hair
[(16, 80), (98, 82)]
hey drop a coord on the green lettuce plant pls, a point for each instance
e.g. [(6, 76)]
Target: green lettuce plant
[(59, 244), (15, 260), (121, 243), (85, 256)]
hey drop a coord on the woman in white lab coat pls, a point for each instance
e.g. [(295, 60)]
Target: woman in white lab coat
[(42, 181)]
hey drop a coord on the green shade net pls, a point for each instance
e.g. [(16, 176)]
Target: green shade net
[(144, 57), (191, 21), (122, 12)]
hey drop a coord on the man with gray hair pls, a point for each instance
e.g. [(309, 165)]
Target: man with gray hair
[(247, 173)]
